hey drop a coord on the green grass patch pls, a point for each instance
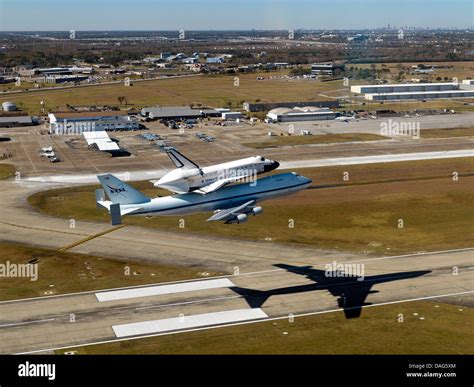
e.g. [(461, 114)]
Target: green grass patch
[(6, 171), (447, 133)]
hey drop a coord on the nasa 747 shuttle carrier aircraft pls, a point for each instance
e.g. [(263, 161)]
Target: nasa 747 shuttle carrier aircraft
[(188, 176), (230, 204)]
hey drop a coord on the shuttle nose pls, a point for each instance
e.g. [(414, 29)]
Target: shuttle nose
[(270, 167)]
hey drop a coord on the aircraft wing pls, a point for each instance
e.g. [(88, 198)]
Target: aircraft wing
[(217, 185), (212, 187), (232, 213)]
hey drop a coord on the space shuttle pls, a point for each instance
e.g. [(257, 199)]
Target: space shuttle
[(190, 177)]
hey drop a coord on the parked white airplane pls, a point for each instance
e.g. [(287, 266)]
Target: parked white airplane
[(345, 118), (189, 177), (230, 204), (47, 154)]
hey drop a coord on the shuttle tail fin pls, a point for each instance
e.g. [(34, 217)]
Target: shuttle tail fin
[(180, 160)]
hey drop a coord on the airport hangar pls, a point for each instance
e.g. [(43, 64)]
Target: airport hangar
[(414, 91), (266, 106), (404, 88), (178, 112), (91, 121), (420, 95), (17, 121), (307, 113)]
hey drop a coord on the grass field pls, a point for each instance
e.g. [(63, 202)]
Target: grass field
[(220, 90), (67, 272), (461, 70), (216, 91), (6, 171), (447, 133), (445, 330), (277, 141), (361, 214)]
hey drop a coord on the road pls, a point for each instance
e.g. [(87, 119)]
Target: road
[(47, 323)]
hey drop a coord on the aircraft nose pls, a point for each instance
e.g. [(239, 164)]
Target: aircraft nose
[(270, 167)]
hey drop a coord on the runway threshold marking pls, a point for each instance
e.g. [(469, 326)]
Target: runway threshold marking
[(90, 237), (163, 289), (187, 322)]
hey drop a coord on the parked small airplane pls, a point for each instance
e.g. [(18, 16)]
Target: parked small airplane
[(230, 204), (346, 118), (189, 177), (47, 154)]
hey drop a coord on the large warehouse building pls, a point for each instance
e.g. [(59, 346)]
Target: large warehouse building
[(77, 123), (14, 121), (414, 91), (264, 106), (404, 87), (177, 113), (420, 95), (330, 68), (308, 113)]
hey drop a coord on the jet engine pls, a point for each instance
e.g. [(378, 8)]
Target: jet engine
[(241, 218)]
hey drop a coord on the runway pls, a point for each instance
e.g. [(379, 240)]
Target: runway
[(43, 324), (284, 165)]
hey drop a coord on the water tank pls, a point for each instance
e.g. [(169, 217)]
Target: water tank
[(8, 106)]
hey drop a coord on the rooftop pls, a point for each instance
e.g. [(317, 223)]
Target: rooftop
[(20, 119), (89, 114)]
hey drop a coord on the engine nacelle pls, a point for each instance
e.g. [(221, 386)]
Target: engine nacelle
[(257, 211), (241, 218)]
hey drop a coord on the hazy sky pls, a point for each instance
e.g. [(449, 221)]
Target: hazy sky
[(17, 15)]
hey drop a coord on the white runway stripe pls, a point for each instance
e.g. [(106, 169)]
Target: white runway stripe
[(390, 158), (163, 289), (187, 322)]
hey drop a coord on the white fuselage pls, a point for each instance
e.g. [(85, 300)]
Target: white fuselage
[(182, 180)]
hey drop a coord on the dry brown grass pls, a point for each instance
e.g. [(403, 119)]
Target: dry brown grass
[(359, 215)]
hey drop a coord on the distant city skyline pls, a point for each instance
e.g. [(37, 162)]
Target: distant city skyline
[(57, 15)]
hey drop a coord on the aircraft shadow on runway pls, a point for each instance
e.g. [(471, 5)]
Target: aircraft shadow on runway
[(350, 290)]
